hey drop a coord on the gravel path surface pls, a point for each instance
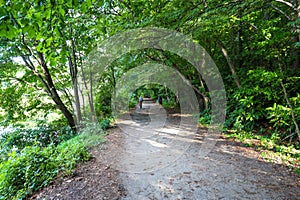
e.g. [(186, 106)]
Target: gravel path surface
[(165, 162), (153, 154)]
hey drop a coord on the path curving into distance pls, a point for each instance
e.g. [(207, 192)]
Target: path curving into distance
[(159, 159)]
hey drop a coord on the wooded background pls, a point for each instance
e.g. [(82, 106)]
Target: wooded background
[(255, 45)]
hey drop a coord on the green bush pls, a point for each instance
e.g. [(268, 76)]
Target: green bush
[(92, 134), (19, 138), (280, 116), (260, 105), (169, 104), (26, 172), (247, 106), (205, 117), (41, 136), (34, 167), (133, 102), (105, 123)]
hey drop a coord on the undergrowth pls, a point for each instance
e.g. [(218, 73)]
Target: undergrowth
[(270, 142), (27, 169), (270, 148)]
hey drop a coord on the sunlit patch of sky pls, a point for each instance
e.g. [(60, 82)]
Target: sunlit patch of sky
[(18, 60), (20, 74)]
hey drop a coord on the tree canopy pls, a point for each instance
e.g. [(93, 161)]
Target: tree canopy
[(255, 45)]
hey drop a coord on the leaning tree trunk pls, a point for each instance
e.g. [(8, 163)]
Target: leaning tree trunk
[(231, 65), (54, 94), (292, 110), (48, 82), (290, 106), (91, 97)]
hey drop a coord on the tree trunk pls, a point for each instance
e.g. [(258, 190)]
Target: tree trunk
[(239, 37), (232, 68), (295, 10), (204, 98), (295, 53), (292, 110), (54, 95), (88, 89), (114, 85), (240, 47), (91, 97), (83, 101), (77, 102), (296, 38), (74, 71)]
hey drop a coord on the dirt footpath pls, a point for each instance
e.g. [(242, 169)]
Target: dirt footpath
[(161, 159), (153, 155)]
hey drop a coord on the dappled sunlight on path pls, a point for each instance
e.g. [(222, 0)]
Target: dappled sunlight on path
[(150, 141), (159, 158)]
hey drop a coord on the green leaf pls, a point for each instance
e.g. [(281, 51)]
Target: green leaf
[(53, 62), (48, 14), (11, 31), (89, 3), (69, 3), (61, 11)]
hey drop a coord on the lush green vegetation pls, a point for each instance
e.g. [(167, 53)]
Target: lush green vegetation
[(44, 45), (30, 161)]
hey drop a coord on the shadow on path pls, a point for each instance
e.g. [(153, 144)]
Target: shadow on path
[(159, 159)]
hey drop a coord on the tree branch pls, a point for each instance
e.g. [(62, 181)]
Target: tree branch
[(288, 4), (25, 82), (276, 8)]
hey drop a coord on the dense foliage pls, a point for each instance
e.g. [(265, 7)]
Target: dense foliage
[(25, 172), (31, 159)]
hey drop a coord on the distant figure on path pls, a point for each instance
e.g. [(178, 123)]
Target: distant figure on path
[(160, 100), (141, 102)]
